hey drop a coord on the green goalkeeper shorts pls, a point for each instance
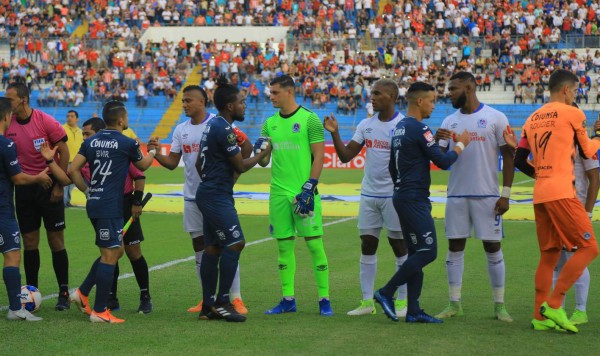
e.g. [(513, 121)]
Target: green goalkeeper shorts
[(284, 223)]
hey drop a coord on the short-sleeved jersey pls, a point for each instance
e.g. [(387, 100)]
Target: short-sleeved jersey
[(291, 137), (29, 135), (581, 180), (475, 173), (9, 166), (186, 140), (109, 154), (133, 174), (376, 135), (218, 144), (413, 147), (551, 134)]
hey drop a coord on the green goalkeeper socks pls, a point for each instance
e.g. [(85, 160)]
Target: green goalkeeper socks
[(320, 265), (287, 266)]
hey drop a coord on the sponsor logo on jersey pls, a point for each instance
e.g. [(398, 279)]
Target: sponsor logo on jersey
[(296, 127), (37, 143), (10, 144), (453, 126), (194, 147), (231, 148), (368, 130), (428, 136), (98, 143), (232, 228), (16, 161), (482, 123), (399, 132), (413, 238), (475, 137), (104, 234), (385, 145)]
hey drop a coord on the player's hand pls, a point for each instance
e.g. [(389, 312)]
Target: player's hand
[(305, 201), (154, 143), (442, 134), (136, 211), (464, 137), (509, 137), (57, 193), (330, 123), (44, 179), (502, 205), (262, 143), (596, 129), (47, 152)]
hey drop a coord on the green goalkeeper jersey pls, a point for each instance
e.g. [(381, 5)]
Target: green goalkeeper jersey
[(291, 137)]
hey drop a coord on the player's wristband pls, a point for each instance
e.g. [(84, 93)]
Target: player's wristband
[(460, 145), (590, 214), (152, 151), (50, 161), (138, 195), (505, 192)]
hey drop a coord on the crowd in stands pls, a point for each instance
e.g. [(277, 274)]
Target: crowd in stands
[(506, 43)]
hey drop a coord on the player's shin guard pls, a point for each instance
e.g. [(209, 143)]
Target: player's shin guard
[(210, 276), (402, 289), (368, 270), (90, 279), (543, 279), (31, 262), (287, 266), (571, 272), (455, 267), (320, 265), (228, 265), (104, 278), (60, 262), (140, 270), (12, 280), (496, 271)]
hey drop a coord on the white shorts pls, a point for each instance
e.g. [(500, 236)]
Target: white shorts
[(192, 219), (375, 213), (466, 214)]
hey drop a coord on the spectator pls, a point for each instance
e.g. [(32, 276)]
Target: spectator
[(518, 94)]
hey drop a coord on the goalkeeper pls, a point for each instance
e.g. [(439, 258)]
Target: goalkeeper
[(298, 139)]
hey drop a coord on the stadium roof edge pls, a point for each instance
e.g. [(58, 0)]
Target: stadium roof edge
[(208, 33)]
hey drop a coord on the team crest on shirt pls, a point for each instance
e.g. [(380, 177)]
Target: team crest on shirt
[(428, 136), (231, 138), (482, 123), (37, 143), (296, 127)]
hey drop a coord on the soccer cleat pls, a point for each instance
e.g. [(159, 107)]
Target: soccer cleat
[(105, 317), (209, 315), (63, 301), (453, 309), (559, 316), (113, 304), (501, 313), (145, 305), (545, 325), (579, 317), (21, 314), (285, 306), (196, 309), (387, 304), (401, 307), (228, 312), (325, 307), (422, 317), (239, 306), (82, 301), (366, 307)]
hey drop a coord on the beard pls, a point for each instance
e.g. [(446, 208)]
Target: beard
[(460, 101), (239, 118)]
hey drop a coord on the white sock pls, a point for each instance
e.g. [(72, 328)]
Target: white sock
[(235, 291), (564, 257), (368, 270), (582, 287), (402, 289), (455, 267), (198, 263), (496, 271)]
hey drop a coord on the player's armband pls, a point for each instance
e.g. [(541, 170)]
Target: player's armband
[(241, 136)]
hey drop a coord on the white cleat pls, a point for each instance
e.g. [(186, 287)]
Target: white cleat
[(366, 307), (22, 314)]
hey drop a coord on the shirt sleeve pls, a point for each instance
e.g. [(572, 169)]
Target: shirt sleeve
[(227, 141), (501, 125), (587, 147), (316, 132), (135, 173), (444, 143), (433, 151), (54, 129), (359, 134), (176, 142), (9, 159), (265, 129), (135, 154)]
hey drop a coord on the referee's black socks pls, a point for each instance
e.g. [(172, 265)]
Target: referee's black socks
[(60, 262), (31, 261), (140, 269)]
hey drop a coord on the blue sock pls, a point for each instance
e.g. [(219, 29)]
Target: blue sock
[(104, 279), (227, 267), (12, 279), (209, 271), (88, 283), (413, 292), (413, 266)]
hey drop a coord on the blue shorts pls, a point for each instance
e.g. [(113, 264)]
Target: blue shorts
[(221, 222), (109, 232), (417, 224), (10, 237)]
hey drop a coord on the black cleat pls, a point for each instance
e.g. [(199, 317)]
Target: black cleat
[(113, 304), (209, 315), (228, 312), (145, 305), (63, 302)]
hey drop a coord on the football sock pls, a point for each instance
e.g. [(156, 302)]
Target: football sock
[(543, 279), (368, 270), (414, 286), (496, 271), (287, 265), (90, 280), (402, 289), (571, 272), (320, 265), (582, 288), (228, 265), (12, 280), (113, 289), (104, 279), (140, 270), (210, 276), (455, 267), (235, 290), (31, 262), (198, 264), (564, 256), (60, 262)]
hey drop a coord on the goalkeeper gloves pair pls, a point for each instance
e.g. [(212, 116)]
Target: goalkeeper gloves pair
[(261, 144), (305, 201)]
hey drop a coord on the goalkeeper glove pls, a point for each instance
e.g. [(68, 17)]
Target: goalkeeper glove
[(305, 201), (261, 144)]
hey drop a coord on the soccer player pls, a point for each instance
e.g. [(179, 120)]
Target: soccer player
[(474, 202), (294, 204), (561, 219), (29, 129), (376, 208), (186, 145), (74, 141), (413, 146), (110, 154), (219, 158), (10, 242)]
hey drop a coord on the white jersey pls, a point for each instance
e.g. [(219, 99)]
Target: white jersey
[(581, 181), (376, 136), (475, 172), (186, 140)]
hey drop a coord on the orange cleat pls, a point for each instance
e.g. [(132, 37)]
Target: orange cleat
[(196, 309), (105, 317), (82, 301), (239, 306)]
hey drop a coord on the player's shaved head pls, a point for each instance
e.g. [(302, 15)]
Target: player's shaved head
[(5, 107), (112, 112), (561, 77), (391, 87), (225, 93), (95, 123), (418, 90), (191, 88)]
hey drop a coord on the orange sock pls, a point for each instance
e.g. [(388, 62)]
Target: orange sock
[(543, 279), (571, 272)]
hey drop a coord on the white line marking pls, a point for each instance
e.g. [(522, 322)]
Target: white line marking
[(524, 181), (182, 260)]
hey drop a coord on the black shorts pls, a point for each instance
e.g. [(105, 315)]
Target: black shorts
[(32, 204), (134, 235)]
